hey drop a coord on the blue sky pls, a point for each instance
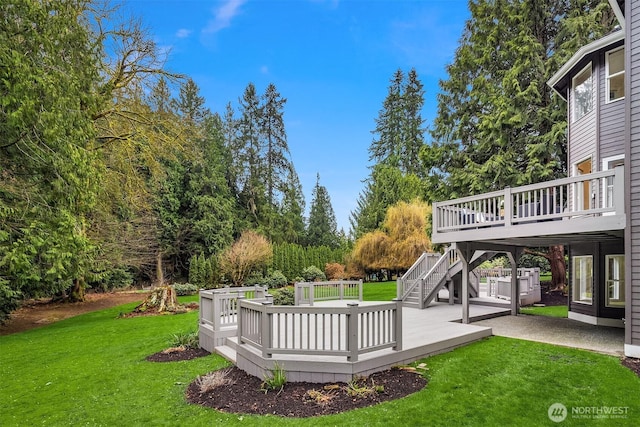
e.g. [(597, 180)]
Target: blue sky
[(332, 60)]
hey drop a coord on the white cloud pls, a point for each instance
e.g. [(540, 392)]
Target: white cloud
[(183, 33), (223, 15)]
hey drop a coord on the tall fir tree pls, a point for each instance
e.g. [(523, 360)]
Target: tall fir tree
[(498, 122), (395, 152), (321, 230)]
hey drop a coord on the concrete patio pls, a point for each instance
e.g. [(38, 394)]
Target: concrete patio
[(558, 331)]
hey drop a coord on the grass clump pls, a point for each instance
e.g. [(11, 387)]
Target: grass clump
[(358, 388), (185, 340), (213, 380), (275, 379)]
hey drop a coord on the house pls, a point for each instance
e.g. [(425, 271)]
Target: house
[(595, 212)]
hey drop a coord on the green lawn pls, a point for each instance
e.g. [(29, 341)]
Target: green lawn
[(549, 311), (379, 291), (90, 370)]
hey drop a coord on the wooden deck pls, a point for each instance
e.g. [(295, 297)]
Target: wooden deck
[(434, 330), (553, 212)]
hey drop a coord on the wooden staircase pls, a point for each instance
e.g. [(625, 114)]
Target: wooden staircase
[(422, 282)]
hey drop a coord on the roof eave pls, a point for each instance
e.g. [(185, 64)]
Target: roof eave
[(580, 54)]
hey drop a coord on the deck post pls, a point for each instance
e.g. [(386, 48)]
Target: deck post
[(463, 251), (508, 207), (451, 286), (514, 257), (398, 325), (239, 319), (352, 332), (266, 322), (360, 290)]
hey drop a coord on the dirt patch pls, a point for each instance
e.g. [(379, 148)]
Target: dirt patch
[(40, 312), (180, 308), (553, 298), (177, 354), (243, 394)]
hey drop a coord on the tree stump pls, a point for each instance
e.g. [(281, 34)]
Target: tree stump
[(160, 299)]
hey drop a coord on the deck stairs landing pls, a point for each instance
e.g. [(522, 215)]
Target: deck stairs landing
[(420, 285)]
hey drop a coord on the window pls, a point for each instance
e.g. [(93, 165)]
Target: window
[(608, 164), (582, 190), (582, 93), (583, 279), (615, 75), (614, 274)]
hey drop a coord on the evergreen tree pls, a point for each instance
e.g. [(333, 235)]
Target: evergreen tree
[(50, 171), (498, 122), (400, 138), (321, 229), (412, 130), (249, 160)]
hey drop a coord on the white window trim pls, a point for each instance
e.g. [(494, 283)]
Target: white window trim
[(621, 302), (608, 77), (605, 167), (574, 284), (578, 191), (589, 66)]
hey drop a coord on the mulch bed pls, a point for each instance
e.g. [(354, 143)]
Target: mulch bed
[(244, 395), (632, 363), (177, 355), (182, 308)]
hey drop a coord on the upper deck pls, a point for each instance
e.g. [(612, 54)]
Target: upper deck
[(570, 210)]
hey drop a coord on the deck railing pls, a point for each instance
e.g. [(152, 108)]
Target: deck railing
[(219, 307), (416, 272), (308, 292), (595, 194), (330, 331)]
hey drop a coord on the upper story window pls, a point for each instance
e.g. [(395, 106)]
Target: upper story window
[(615, 74), (582, 93)]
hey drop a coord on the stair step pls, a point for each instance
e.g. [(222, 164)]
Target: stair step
[(226, 352)]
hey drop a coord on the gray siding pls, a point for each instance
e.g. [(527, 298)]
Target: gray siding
[(632, 231), (612, 118)]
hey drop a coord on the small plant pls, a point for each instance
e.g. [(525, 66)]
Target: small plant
[(322, 398), (275, 379), (358, 387), (214, 380), (185, 289), (185, 340)]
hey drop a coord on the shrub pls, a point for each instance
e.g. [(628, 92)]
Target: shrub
[(9, 300), (185, 340), (334, 271), (313, 274), (249, 253), (283, 296), (214, 380), (182, 289), (274, 280)]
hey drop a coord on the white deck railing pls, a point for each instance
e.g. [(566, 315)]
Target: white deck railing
[(416, 272), (219, 307), (308, 292), (328, 331), (595, 194)]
